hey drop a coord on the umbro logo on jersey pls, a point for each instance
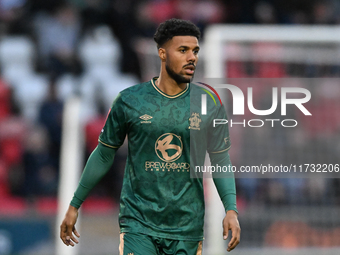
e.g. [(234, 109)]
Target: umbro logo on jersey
[(146, 118)]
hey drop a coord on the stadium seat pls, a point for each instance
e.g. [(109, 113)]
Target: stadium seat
[(102, 79), (67, 85), (17, 61), (30, 93), (16, 58)]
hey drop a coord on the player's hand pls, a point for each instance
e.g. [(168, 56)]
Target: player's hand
[(67, 227), (230, 222)]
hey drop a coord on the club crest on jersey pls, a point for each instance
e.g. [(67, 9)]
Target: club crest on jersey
[(146, 118), (195, 121)]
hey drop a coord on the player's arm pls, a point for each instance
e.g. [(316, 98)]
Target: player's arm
[(225, 185), (96, 167)]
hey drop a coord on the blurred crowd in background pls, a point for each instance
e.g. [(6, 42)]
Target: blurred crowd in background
[(57, 27), (53, 49)]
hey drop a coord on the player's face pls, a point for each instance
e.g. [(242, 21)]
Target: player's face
[(181, 58)]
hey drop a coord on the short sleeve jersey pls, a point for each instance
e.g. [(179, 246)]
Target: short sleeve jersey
[(167, 136)]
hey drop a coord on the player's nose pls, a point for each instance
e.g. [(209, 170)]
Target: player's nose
[(191, 57)]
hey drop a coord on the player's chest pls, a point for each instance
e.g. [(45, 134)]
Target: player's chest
[(162, 116)]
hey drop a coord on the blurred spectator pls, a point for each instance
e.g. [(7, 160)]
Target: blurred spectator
[(323, 13), (13, 130), (150, 13), (95, 13), (202, 13), (265, 13), (13, 16), (37, 6), (58, 35), (40, 174), (122, 20), (50, 117)]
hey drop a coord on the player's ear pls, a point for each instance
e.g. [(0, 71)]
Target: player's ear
[(161, 53)]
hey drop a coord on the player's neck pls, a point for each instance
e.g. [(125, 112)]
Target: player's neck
[(169, 86)]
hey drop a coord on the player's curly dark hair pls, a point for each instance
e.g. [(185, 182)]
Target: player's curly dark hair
[(175, 27)]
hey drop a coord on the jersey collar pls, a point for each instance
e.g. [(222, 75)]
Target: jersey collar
[(166, 95)]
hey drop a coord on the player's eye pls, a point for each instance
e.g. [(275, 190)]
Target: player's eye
[(182, 50), (195, 52)]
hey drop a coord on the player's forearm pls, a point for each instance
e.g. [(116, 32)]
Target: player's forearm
[(225, 181), (96, 167)]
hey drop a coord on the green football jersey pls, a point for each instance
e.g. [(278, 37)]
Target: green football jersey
[(167, 136)]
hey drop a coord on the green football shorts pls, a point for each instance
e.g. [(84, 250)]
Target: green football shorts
[(139, 244)]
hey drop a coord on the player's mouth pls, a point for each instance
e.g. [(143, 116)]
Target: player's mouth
[(189, 69)]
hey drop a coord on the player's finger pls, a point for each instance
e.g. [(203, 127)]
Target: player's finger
[(70, 237), (68, 234), (225, 236), (63, 231), (76, 232), (75, 240), (232, 244), (69, 241), (225, 232), (235, 239)]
